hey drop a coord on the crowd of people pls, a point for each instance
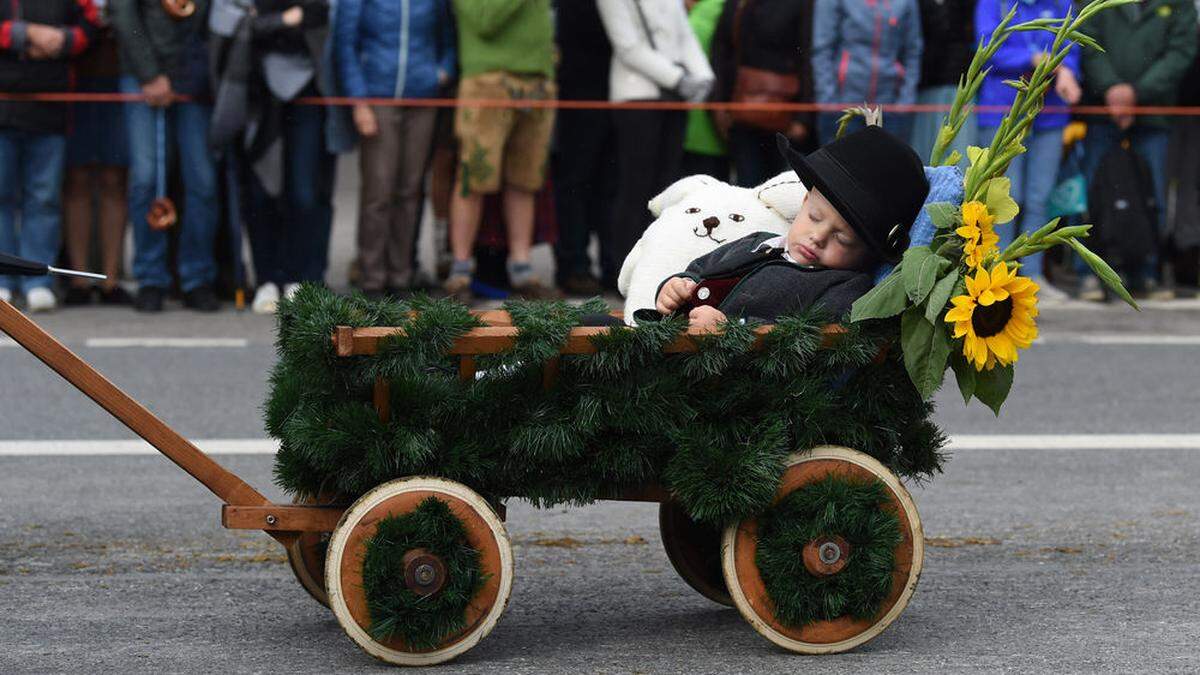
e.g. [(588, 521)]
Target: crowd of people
[(221, 85)]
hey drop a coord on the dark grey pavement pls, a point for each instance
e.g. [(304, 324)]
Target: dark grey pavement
[(1039, 560)]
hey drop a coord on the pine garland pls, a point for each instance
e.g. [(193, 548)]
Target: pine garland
[(832, 506), (421, 622), (713, 426)]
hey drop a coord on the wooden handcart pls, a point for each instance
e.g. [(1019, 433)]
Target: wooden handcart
[(325, 542)]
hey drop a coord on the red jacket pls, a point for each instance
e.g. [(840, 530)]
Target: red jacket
[(78, 20)]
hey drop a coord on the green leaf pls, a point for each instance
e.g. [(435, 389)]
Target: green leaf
[(999, 200), (1044, 230), (886, 299), (1102, 270), (944, 215), (926, 348), (943, 290), (992, 386), (964, 374), (921, 272)]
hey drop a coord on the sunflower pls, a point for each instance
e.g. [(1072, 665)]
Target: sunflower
[(978, 233), (996, 316)]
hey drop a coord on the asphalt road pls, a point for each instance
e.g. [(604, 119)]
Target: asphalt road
[(1078, 560)]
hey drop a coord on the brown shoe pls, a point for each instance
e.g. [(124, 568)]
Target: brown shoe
[(458, 287), (582, 285), (535, 290)]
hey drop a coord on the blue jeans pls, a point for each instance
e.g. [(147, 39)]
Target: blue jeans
[(1151, 144), (1033, 175), (289, 233), (187, 126), (31, 170)]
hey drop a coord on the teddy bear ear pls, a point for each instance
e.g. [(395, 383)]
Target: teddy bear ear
[(783, 194), (678, 190)]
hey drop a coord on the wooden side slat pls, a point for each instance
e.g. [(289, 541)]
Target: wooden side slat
[(281, 517), (466, 369), (382, 397), (493, 339)]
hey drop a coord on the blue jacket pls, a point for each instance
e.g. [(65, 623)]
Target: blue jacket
[(1015, 56), (393, 48), (866, 51)]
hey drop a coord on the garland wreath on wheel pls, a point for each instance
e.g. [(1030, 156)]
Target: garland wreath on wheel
[(714, 427)]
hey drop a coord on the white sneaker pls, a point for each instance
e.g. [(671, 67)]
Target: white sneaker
[(6, 295), (41, 299), (1048, 292), (289, 291), (266, 299)]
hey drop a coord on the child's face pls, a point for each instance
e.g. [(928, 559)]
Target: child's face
[(820, 236)]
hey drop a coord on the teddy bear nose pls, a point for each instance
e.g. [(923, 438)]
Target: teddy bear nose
[(711, 222)]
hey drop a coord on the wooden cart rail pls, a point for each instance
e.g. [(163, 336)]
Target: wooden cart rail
[(499, 335)]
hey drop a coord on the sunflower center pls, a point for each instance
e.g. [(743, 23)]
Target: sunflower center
[(990, 320)]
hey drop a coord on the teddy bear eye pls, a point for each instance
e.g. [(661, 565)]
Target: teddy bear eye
[(693, 210), (736, 217)]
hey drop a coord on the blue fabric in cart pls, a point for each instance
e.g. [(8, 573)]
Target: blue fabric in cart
[(945, 185)]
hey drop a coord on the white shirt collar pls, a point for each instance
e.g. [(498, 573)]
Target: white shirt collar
[(777, 242)]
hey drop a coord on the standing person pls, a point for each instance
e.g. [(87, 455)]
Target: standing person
[(1148, 48), (761, 54), (1184, 166), (286, 164), (866, 51), (37, 39), (392, 50), (947, 28), (97, 160), (655, 57), (583, 165), (1033, 174), (161, 57), (506, 52), (705, 150)]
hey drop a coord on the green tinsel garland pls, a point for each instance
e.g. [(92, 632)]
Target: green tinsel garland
[(422, 622), (714, 426), (832, 506)]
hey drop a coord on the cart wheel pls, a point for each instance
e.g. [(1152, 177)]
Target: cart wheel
[(347, 548), (306, 557), (842, 634), (694, 550)]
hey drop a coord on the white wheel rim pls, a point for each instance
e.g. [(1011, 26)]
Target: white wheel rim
[(728, 558), (337, 551)]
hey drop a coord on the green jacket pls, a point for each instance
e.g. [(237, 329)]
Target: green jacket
[(515, 36), (1150, 45), (151, 42), (701, 137)]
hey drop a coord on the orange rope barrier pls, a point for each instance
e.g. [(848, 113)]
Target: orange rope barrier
[(558, 104)]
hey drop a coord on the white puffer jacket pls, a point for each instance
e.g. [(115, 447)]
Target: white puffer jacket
[(642, 72)]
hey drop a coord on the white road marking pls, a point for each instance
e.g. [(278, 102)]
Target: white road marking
[(187, 343), (959, 442), (1074, 442)]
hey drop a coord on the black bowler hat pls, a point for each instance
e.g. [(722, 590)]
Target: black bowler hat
[(874, 180)]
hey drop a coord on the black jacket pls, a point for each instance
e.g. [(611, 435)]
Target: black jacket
[(947, 26), (775, 35), (771, 286), (152, 43), (78, 21)]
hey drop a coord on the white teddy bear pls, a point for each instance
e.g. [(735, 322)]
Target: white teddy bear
[(696, 215)]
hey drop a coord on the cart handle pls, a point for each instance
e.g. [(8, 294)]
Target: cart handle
[(219, 480)]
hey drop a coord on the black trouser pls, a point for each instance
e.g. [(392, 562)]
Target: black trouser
[(755, 154), (649, 152), (584, 184), (716, 166)]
